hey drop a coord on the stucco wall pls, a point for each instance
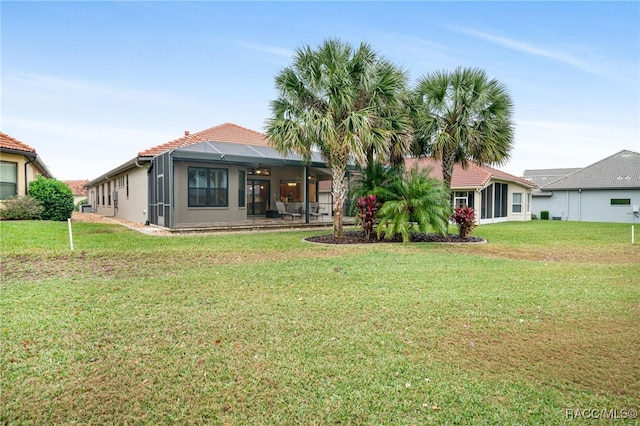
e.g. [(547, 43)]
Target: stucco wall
[(31, 172), (185, 216), (588, 205), (134, 206)]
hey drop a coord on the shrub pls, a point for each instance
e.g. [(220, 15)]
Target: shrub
[(416, 201), (465, 218), (372, 180), (368, 207), (21, 208), (56, 198), (544, 215)]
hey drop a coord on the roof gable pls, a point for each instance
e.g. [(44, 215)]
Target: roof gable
[(473, 176), (8, 142), (227, 132), (620, 170)]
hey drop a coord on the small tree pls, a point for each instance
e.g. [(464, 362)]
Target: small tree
[(465, 218), (21, 208), (416, 201), (56, 198)]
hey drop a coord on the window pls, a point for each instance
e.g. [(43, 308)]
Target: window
[(242, 198), (620, 201), (208, 187), (290, 191), (463, 199), (127, 178), (516, 207), (494, 201), (501, 202), (8, 179)]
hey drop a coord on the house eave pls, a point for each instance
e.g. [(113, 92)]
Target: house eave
[(129, 165)]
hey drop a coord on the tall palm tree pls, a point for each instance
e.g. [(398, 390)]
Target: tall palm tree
[(340, 101), (463, 116)]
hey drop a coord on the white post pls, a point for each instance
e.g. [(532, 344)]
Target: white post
[(633, 233), (70, 234)]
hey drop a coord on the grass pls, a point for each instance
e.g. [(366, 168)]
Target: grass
[(267, 329)]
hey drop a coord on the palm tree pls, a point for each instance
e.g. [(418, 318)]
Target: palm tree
[(417, 201), (463, 116), (373, 180), (340, 101)]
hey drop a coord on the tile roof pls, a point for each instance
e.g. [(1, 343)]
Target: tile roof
[(8, 142), (473, 176), (619, 171), (77, 186), (227, 132)]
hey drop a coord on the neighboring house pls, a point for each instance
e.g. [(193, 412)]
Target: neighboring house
[(496, 196), (605, 191), (220, 175), (19, 165), (78, 188)]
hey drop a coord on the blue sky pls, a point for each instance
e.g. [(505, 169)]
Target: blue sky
[(89, 84)]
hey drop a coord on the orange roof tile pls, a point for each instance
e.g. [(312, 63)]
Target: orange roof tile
[(8, 142), (473, 176), (77, 186), (227, 132)]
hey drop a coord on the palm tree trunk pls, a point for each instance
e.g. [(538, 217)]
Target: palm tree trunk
[(338, 173), (448, 161)]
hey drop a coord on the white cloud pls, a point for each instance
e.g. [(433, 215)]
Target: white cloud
[(47, 87), (281, 52), (579, 58)]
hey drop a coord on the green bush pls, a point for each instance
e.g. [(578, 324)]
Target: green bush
[(56, 198), (21, 208), (417, 202), (544, 215)]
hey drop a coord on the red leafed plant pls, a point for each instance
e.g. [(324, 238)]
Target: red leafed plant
[(368, 208), (465, 218)]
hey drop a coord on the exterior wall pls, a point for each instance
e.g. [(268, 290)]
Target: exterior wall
[(512, 216), (525, 213), (24, 175), (185, 216), (110, 198), (131, 201), (588, 205)]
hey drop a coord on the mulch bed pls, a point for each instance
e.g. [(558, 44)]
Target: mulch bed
[(358, 237)]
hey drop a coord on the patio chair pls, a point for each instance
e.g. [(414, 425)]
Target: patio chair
[(282, 211), (314, 210)]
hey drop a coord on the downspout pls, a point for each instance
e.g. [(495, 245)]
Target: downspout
[(26, 180), (579, 205)]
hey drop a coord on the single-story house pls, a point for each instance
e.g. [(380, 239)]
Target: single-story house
[(496, 196), (78, 188), (19, 165), (220, 175), (605, 191)]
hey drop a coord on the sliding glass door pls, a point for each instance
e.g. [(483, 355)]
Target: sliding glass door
[(257, 197)]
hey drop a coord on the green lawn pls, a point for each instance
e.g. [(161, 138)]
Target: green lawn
[(267, 329)]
